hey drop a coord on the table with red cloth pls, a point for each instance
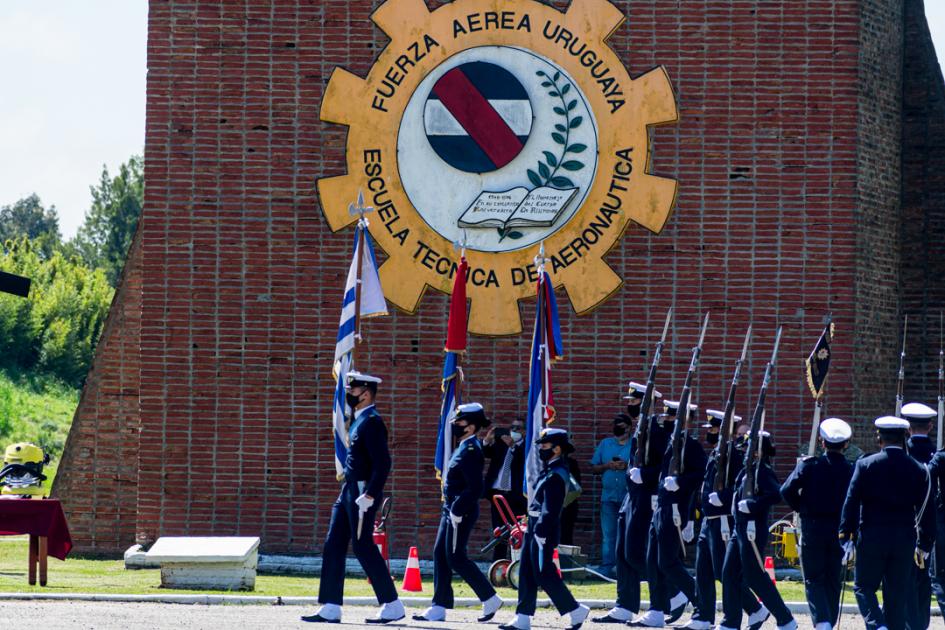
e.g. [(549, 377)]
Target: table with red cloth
[(46, 525)]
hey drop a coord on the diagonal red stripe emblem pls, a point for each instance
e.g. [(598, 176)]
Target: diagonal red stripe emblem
[(480, 120)]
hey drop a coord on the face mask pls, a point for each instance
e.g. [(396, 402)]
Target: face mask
[(620, 429), (352, 400), (546, 454), (516, 436), (634, 410), (712, 438), (459, 430)]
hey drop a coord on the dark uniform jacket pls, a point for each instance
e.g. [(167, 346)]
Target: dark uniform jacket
[(368, 456), (708, 483), (817, 487), (463, 485), (921, 448), (691, 475), (550, 490), (937, 477), (650, 473), (766, 497), (889, 489)]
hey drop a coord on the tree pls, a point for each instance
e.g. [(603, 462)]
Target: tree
[(105, 236), (27, 217)]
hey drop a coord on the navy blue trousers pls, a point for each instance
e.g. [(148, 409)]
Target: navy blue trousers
[(531, 577), (710, 557), (665, 571), (821, 554), (633, 525), (884, 557), (343, 529), (446, 561), (742, 568)]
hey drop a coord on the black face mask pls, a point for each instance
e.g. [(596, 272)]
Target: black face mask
[(634, 410), (740, 441), (546, 454), (459, 430), (620, 430), (352, 400), (712, 438)]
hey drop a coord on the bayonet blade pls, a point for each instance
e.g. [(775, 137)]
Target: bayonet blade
[(777, 342), (705, 325), (669, 316), (745, 345)]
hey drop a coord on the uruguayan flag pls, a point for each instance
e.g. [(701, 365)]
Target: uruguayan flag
[(372, 303)]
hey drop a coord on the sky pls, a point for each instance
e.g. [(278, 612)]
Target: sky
[(73, 75)]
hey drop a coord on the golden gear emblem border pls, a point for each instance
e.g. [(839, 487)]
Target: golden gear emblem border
[(623, 144)]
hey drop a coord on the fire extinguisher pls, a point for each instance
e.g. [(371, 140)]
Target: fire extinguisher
[(380, 532)]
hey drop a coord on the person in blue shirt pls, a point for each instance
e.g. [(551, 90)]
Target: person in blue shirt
[(610, 460)]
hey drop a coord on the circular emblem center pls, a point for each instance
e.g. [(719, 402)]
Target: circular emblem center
[(477, 117)]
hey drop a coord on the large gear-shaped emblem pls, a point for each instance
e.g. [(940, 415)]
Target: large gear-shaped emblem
[(505, 125)]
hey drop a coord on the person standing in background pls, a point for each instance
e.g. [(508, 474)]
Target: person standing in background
[(610, 460), (505, 473)]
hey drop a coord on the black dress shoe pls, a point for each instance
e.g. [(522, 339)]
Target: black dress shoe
[(607, 619), (381, 620), (676, 613), (758, 624), (316, 618), (485, 618)]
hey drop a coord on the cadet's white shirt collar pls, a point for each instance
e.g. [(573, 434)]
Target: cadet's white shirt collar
[(464, 440), (360, 412), (892, 446)]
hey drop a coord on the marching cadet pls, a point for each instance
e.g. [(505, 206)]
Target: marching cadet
[(937, 499), (716, 530), (544, 515), (670, 528), (743, 557), (461, 493), (921, 448), (885, 525), (352, 516), (633, 519), (816, 490)]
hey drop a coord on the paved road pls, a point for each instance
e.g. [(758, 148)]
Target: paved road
[(125, 616)]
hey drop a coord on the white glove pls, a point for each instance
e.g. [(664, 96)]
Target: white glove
[(743, 506), (688, 532), (635, 475), (455, 519), (541, 540), (715, 500), (364, 502), (849, 552), (670, 484), (920, 557)]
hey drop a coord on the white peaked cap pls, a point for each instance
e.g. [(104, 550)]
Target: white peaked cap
[(891, 422), (639, 390), (835, 430), (918, 411), (353, 375)]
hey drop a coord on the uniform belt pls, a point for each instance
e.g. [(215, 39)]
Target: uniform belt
[(534, 513)]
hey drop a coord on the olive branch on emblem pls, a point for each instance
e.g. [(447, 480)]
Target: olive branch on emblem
[(546, 173)]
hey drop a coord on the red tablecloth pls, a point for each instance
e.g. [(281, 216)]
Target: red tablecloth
[(40, 517)]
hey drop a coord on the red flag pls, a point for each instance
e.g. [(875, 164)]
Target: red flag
[(456, 328)]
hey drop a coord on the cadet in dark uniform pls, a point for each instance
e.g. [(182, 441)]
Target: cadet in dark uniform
[(665, 571), (715, 532), (544, 515), (886, 499), (816, 490), (921, 448), (461, 493), (633, 519), (352, 516), (743, 558), (937, 499)]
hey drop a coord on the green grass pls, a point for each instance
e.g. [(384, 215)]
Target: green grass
[(37, 409), (77, 575)]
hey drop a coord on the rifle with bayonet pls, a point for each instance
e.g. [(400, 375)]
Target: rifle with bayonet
[(902, 368), (641, 456), (682, 414), (726, 445), (753, 454)]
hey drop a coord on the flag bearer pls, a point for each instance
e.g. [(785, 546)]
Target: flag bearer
[(461, 492), (816, 490), (352, 516), (544, 515), (886, 525)]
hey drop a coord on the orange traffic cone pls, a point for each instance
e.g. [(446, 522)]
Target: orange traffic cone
[(412, 574), (557, 560), (769, 569)]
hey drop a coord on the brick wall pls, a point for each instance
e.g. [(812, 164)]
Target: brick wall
[(241, 277), (923, 204)]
